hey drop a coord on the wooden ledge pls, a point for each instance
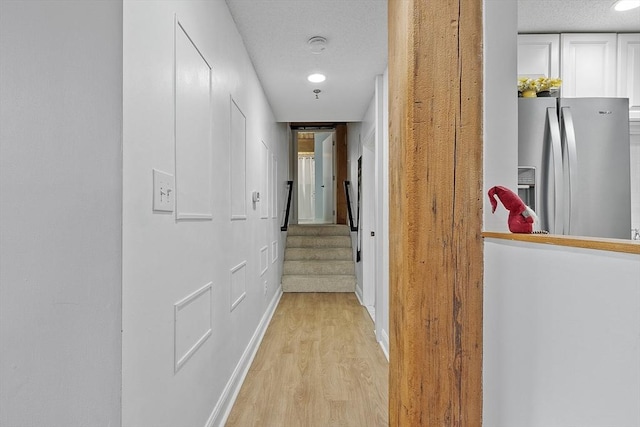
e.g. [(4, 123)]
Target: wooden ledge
[(602, 244)]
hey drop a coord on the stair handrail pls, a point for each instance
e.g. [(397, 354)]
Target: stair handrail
[(285, 227), (347, 185)]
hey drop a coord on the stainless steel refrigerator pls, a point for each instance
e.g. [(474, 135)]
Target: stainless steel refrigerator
[(574, 164)]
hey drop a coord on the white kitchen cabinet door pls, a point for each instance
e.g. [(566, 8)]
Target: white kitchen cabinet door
[(629, 72), (588, 65), (539, 55)]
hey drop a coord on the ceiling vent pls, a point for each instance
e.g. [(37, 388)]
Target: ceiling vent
[(317, 44)]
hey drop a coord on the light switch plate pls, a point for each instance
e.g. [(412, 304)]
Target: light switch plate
[(163, 191)]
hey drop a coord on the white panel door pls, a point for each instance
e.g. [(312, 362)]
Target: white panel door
[(629, 72), (327, 179), (368, 213), (539, 55), (588, 65), (306, 188)]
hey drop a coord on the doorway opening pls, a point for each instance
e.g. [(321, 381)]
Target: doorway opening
[(315, 189)]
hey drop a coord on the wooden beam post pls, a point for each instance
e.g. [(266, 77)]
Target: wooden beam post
[(435, 178)]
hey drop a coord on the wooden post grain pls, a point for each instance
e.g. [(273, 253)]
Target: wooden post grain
[(435, 174)]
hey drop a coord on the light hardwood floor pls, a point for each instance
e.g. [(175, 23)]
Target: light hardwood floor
[(318, 365)]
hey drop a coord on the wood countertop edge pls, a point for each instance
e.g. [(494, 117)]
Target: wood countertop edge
[(602, 244)]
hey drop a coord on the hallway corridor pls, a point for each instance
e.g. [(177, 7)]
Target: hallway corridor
[(318, 365)]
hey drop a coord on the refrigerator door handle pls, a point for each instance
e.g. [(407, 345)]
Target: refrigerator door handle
[(572, 166), (556, 153)]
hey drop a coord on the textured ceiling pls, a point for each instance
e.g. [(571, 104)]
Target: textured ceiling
[(537, 16), (275, 33)]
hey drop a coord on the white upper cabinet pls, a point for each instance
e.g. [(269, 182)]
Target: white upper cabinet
[(539, 55), (588, 65), (629, 72)]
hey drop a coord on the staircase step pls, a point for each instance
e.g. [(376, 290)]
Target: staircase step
[(318, 258), (318, 283), (324, 267), (318, 230), (293, 254), (318, 241)]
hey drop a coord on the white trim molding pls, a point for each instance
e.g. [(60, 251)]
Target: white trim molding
[(189, 301), (224, 405)]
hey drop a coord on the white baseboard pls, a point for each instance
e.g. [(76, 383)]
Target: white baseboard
[(372, 312), (222, 409), (384, 343), (359, 294)]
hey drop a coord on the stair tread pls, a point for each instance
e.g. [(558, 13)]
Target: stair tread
[(318, 283), (318, 229), (319, 241), (318, 256), (310, 267), (318, 238), (321, 249), (319, 261), (327, 276)]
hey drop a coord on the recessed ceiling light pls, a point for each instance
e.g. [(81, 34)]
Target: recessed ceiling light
[(316, 78), (622, 5)]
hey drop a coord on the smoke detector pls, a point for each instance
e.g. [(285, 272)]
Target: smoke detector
[(317, 44)]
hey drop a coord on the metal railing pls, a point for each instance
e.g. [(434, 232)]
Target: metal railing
[(285, 227), (352, 225)]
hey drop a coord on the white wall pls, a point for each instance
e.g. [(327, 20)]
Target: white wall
[(361, 144), (354, 151), (382, 204), (368, 225), (561, 325), (635, 174), (368, 206), (167, 260), (60, 213), (500, 105), (561, 336), (370, 139), (360, 134)]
